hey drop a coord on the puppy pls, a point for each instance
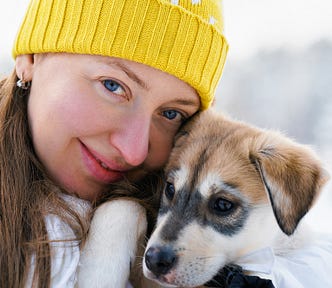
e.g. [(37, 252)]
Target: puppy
[(232, 191)]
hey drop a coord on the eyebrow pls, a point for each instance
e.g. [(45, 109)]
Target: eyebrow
[(132, 75), (187, 103)]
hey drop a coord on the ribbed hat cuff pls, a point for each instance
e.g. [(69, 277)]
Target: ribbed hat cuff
[(155, 33)]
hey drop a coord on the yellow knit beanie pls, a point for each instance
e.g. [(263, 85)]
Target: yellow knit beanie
[(181, 37)]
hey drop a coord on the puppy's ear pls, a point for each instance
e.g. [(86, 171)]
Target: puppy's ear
[(180, 138), (292, 176), (183, 133)]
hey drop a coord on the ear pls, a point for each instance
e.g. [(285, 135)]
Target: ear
[(292, 175), (24, 66)]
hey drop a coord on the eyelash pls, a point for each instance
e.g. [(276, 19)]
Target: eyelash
[(116, 85), (174, 120), (183, 118)]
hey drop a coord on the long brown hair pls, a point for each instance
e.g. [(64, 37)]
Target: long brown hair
[(26, 196)]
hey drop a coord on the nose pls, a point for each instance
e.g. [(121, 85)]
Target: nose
[(132, 139), (160, 260)]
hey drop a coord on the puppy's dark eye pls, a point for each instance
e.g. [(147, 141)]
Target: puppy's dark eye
[(169, 191), (222, 206)]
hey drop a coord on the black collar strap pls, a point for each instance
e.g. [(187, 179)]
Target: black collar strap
[(232, 276)]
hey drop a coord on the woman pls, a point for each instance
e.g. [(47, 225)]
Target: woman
[(99, 90)]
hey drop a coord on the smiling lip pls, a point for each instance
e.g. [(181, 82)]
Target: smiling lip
[(106, 173)]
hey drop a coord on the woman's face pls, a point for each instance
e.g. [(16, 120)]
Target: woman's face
[(97, 119)]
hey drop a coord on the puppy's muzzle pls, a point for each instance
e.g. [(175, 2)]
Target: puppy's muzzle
[(160, 259)]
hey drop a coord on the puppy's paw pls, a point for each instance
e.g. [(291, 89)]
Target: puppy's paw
[(111, 245)]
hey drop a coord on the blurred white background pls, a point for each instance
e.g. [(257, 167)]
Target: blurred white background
[(278, 74)]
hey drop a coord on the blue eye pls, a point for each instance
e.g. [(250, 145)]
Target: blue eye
[(114, 87), (171, 114)]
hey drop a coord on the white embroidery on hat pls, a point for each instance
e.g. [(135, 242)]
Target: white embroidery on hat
[(196, 2), (212, 20), (175, 2)]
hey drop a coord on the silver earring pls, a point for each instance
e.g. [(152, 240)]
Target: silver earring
[(23, 84)]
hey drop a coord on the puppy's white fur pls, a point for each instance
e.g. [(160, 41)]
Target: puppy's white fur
[(110, 250)]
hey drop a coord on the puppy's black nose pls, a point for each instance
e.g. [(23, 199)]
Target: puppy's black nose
[(160, 260)]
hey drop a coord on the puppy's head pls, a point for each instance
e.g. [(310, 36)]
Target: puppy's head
[(229, 189)]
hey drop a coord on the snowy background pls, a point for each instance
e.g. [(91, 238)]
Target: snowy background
[(278, 74)]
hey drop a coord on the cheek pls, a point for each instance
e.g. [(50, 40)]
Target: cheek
[(60, 109), (160, 148), (57, 117)]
